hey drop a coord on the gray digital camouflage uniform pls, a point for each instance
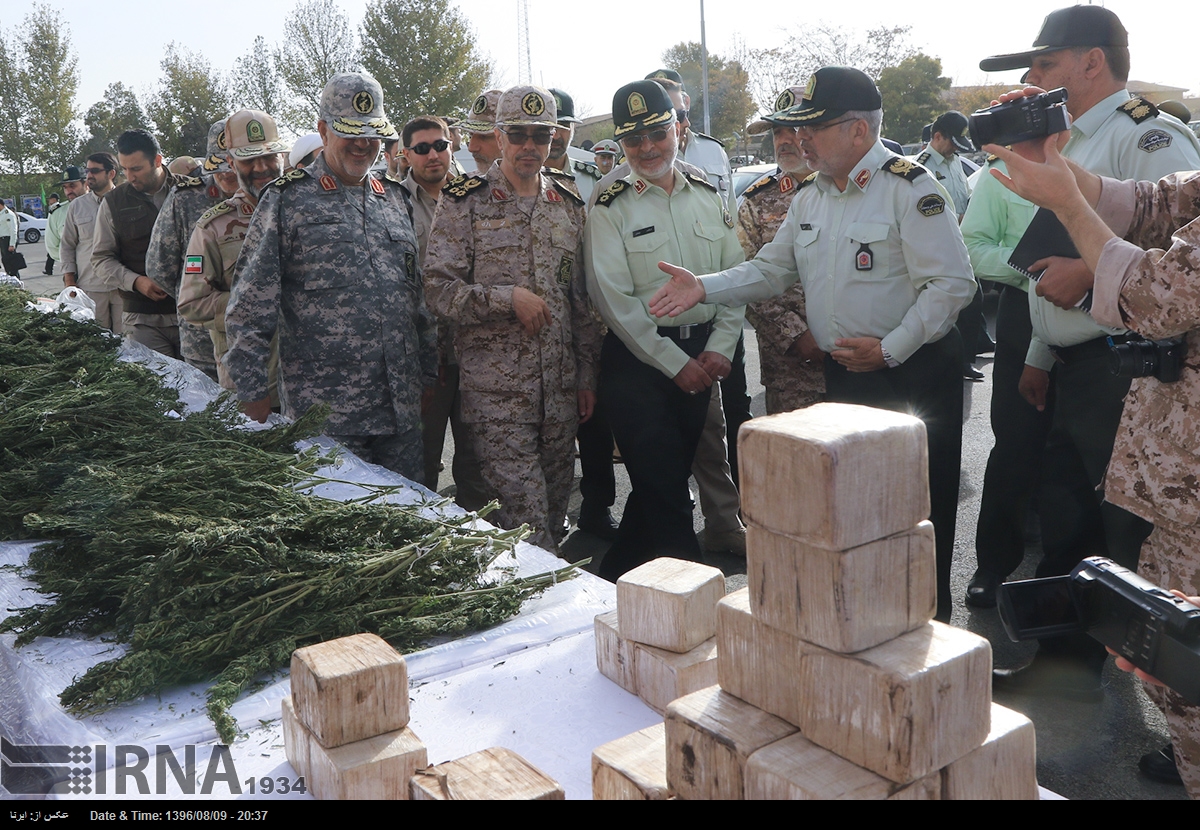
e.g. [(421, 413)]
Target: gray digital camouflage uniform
[(184, 206), (791, 383), (334, 268), (519, 391)]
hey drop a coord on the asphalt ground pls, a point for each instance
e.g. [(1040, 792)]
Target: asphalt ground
[(1085, 751)]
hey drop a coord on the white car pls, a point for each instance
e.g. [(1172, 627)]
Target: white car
[(32, 228)]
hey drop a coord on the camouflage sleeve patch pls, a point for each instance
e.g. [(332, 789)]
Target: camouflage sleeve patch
[(460, 186), (615, 190), (1139, 109), (698, 179), (289, 177), (762, 184), (567, 189), (212, 213), (904, 168)]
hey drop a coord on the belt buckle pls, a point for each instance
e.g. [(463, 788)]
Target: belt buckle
[(685, 332)]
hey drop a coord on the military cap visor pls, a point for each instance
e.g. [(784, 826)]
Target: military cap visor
[(832, 91), (1069, 28)]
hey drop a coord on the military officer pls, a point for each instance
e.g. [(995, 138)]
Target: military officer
[(607, 153), (1084, 49), (481, 124), (655, 376), (949, 135), (791, 380), (1153, 292), (697, 148), (505, 265), (255, 153), (583, 174), (330, 262), (186, 202), (885, 273)]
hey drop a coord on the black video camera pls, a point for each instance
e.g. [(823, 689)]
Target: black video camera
[(1152, 628), (1021, 120), (1142, 358)]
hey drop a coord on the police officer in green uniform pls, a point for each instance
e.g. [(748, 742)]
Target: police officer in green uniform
[(655, 375), (885, 274)]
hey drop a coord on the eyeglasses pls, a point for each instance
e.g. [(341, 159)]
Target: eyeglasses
[(424, 147), (809, 132), (520, 137), (683, 115), (95, 171), (632, 142)]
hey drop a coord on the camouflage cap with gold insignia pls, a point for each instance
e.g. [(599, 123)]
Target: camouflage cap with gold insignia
[(529, 106), (253, 133), (217, 160), (482, 118), (352, 106), (783, 101), (831, 92), (641, 105)]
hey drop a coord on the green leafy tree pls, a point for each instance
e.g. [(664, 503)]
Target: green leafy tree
[(112, 115), (318, 43), (912, 96), (424, 55), (37, 97), (190, 97), (731, 103), (256, 82)]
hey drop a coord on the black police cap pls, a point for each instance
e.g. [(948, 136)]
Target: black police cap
[(1087, 26), (641, 105), (831, 92)]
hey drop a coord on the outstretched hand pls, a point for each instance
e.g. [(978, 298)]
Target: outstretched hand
[(682, 291), (1038, 173)]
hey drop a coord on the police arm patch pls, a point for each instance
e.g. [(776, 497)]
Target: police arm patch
[(1154, 140), (931, 205)]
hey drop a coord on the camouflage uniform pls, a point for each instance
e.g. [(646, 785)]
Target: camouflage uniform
[(1153, 469), (791, 382), (208, 276), (184, 206), (518, 391), (335, 269)]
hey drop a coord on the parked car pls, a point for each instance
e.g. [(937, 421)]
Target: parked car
[(743, 177), (32, 228)]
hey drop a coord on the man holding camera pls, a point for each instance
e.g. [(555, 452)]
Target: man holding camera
[(1154, 292), (1084, 49)]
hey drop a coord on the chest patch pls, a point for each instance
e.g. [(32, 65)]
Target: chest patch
[(931, 205), (1154, 140)]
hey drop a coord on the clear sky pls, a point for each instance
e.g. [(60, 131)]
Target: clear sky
[(590, 54)]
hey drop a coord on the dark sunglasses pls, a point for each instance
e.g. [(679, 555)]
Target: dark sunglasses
[(520, 137), (632, 142), (424, 147)]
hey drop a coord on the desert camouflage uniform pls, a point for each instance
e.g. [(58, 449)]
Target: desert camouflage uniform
[(184, 206), (208, 276), (518, 392), (1154, 464), (334, 268), (791, 383)]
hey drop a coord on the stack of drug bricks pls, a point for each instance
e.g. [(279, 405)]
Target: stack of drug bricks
[(345, 729), (833, 679)]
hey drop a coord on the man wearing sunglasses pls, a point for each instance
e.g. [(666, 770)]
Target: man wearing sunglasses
[(885, 272), (505, 265), (656, 376)]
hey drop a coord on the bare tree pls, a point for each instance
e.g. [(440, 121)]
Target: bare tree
[(318, 43)]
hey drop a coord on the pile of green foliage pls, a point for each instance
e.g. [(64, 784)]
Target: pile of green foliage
[(191, 539)]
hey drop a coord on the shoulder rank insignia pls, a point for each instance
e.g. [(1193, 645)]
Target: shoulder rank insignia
[(189, 181), (767, 181), (587, 168), (698, 179), (809, 179), (289, 177), (924, 157), (567, 188), (212, 213), (904, 168), (710, 138), (460, 186), (991, 157), (555, 172), (616, 189), (1139, 109)]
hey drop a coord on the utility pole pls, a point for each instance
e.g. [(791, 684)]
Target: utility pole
[(524, 72), (704, 70)]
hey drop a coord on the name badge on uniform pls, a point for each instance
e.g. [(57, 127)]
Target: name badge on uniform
[(863, 260), (643, 231)]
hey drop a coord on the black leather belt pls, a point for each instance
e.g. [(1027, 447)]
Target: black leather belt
[(688, 332), (1089, 349)]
